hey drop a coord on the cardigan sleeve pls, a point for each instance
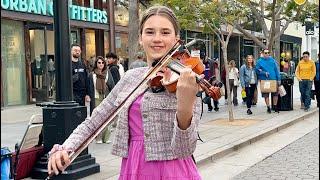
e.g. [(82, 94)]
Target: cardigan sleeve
[(184, 141), (99, 115)]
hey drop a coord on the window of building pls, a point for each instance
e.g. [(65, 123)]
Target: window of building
[(90, 44), (13, 63), (122, 45), (106, 42)]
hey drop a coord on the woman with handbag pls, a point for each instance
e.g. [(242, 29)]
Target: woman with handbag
[(248, 79), (234, 81)]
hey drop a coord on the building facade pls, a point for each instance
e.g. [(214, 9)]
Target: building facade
[(27, 42)]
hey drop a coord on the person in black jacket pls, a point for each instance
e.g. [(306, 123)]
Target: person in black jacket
[(100, 84), (112, 60), (79, 77)]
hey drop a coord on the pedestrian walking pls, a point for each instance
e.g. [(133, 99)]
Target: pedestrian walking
[(267, 68), (305, 73), (234, 81), (209, 75), (139, 62), (317, 81), (79, 77), (112, 60), (249, 81), (100, 84), (157, 132)]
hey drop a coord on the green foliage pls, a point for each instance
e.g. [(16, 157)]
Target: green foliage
[(204, 15)]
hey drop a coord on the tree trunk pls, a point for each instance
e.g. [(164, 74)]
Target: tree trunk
[(133, 29), (225, 60), (276, 45)]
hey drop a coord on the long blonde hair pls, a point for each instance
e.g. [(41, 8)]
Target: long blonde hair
[(232, 64), (253, 61)]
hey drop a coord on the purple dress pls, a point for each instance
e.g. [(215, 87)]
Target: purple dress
[(135, 167)]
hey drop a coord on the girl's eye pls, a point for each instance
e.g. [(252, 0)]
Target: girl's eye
[(166, 32), (149, 32)]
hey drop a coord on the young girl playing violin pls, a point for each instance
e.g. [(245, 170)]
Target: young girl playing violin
[(156, 132)]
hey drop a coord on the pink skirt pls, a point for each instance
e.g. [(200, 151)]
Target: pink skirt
[(135, 167)]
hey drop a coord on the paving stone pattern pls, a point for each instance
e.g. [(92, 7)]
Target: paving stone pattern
[(297, 161)]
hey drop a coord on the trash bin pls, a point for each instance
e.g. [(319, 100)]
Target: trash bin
[(285, 103)]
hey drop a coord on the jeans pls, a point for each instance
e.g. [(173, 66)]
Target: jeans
[(215, 103), (317, 88), (250, 94), (305, 90), (233, 89)]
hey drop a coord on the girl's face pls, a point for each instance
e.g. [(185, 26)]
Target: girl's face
[(100, 64), (158, 36), (250, 60)]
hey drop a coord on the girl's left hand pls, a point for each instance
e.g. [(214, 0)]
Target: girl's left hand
[(187, 89)]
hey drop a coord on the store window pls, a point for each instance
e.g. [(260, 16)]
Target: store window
[(122, 45), (13, 65), (106, 42), (90, 44)]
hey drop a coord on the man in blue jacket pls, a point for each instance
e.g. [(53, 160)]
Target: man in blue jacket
[(267, 68)]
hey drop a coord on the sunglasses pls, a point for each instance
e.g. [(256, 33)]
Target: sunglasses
[(266, 52), (100, 62)]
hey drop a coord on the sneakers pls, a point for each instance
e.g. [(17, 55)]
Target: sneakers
[(98, 141), (306, 109), (269, 110), (209, 110), (276, 110), (249, 112), (216, 109)]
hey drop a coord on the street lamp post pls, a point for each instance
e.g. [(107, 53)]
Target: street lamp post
[(60, 118)]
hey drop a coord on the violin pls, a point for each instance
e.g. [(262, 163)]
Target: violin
[(177, 58)]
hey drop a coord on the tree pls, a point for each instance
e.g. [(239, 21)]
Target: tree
[(133, 29), (280, 13), (215, 17)]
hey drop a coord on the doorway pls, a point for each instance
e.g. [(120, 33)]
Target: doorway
[(42, 62)]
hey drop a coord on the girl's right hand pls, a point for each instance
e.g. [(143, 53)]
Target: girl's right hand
[(58, 161)]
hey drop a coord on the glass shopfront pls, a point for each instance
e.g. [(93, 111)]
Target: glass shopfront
[(122, 45), (205, 43), (13, 65), (90, 44), (106, 42)]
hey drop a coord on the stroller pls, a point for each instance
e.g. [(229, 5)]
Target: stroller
[(19, 164)]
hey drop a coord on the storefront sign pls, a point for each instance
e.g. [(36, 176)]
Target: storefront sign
[(42, 7), (248, 42), (309, 28)]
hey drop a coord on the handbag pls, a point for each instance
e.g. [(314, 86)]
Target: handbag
[(282, 91), (268, 86), (222, 90), (243, 93)]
